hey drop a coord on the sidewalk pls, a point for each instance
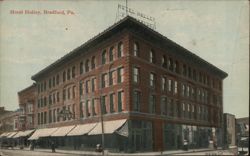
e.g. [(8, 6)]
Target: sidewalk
[(205, 151)]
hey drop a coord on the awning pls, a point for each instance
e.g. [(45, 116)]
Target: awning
[(62, 131), (23, 133), (109, 127), (42, 133), (11, 134), (5, 134), (81, 129)]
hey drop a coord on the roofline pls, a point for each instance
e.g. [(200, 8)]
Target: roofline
[(33, 85), (108, 30)]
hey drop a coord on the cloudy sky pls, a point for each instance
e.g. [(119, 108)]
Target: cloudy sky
[(217, 31)]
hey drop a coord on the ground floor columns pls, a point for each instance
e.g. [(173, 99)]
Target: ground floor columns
[(158, 135)]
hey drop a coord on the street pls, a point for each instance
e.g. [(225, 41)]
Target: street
[(7, 152)]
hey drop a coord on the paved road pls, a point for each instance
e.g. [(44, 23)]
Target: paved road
[(29, 153)]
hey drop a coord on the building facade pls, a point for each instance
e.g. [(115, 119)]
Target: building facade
[(27, 98), (166, 94)]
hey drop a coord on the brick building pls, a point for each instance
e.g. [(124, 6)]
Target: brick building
[(153, 93), (27, 100)]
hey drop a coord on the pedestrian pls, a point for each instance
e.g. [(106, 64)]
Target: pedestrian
[(53, 147)]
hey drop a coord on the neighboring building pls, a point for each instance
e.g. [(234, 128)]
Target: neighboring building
[(27, 100), (8, 121), (229, 130), (153, 93), (243, 126)]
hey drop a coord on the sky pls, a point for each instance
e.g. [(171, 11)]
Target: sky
[(217, 31)]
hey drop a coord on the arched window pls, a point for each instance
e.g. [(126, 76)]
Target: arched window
[(64, 76), (152, 56), (111, 54), (120, 49), (171, 66), (104, 57), (93, 62), (81, 67), (176, 66), (163, 61), (87, 65), (136, 49)]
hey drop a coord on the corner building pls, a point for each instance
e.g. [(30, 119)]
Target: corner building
[(153, 93)]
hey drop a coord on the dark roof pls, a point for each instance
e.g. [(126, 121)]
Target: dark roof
[(141, 29)]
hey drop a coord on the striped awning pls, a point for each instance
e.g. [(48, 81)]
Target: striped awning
[(108, 126), (23, 133), (82, 129), (46, 132), (62, 131)]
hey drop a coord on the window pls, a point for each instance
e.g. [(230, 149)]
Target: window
[(87, 86), (184, 70), (175, 87), (69, 91), (50, 99), (104, 80), (152, 56), (57, 96), (152, 80), (87, 65), (169, 85), (136, 101), (93, 107), (81, 109), (50, 83), (163, 61), (38, 88), (41, 87), (64, 76), (44, 85), (120, 100), (93, 62), (111, 77), (104, 57), (111, 102), (176, 67), (81, 88), (111, 54), (136, 74), (93, 82), (64, 94), (54, 81), (45, 101), (120, 75), (54, 98), (81, 67), (87, 108), (73, 72), (57, 79), (54, 115), (136, 49), (50, 116), (74, 92), (120, 49), (152, 104), (45, 117), (68, 74), (163, 83), (163, 105), (103, 99), (183, 90), (38, 119), (170, 66)]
